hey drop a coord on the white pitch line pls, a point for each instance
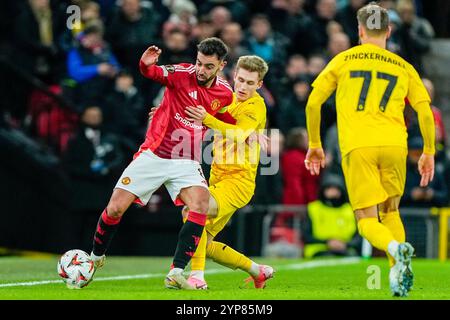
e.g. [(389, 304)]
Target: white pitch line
[(295, 266)]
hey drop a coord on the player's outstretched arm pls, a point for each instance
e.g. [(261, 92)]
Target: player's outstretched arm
[(238, 132)]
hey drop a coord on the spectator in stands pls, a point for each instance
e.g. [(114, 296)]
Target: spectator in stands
[(269, 186), (435, 194), (93, 159), (334, 27), (337, 43), (36, 31), (299, 187), (289, 18), (330, 227), (414, 34), (264, 42), (90, 13), (316, 63), (292, 108), (124, 111), (296, 66), (347, 18), (183, 17), (237, 9), (92, 65), (204, 29), (325, 13), (176, 48), (232, 36), (220, 16), (131, 28)]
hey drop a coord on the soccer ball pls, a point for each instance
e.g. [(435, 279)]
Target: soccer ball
[(76, 268)]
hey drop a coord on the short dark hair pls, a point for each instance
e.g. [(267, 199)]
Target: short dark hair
[(213, 46)]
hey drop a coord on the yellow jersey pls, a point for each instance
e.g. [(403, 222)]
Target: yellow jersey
[(233, 156), (371, 85)]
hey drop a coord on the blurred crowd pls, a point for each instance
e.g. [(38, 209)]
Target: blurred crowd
[(74, 84)]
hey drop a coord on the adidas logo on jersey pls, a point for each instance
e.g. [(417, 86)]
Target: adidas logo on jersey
[(193, 94)]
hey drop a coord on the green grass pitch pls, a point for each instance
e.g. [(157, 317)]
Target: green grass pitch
[(141, 278)]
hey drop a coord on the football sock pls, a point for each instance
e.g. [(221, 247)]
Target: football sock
[(198, 259), (189, 238), (106, 228), (376, 233), (393, 222), (227, 256), (198, 274)]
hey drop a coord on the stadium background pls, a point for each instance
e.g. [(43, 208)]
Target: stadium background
[(54, 184)]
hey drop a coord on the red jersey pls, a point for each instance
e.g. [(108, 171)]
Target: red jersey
[(170, 135)]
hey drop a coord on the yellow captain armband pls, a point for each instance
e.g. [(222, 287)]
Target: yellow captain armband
[(223, 110)]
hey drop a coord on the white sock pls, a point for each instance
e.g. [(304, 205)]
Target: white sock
[(254, 269), (199, 274), (175, 271), (392, 248)]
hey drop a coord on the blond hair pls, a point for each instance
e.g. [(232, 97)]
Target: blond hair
[(253, 64), (373, 27)]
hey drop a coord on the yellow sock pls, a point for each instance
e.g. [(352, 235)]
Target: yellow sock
[(227, 256), (199, 257), (376, 233), (393, 222)]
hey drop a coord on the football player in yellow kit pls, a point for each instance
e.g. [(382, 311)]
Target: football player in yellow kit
[(371, 85), (233, 171)]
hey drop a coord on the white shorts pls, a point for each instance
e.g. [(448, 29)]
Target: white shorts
[(147, 172)]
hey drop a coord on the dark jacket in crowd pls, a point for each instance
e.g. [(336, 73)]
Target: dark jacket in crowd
[(93, 168)]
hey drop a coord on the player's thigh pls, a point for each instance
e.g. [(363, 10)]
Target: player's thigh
[(362, 178), (393, 170), (187, 185), (142, 177), (213, 207), (229, 195)]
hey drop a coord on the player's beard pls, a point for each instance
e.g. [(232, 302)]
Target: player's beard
[(208, 80)]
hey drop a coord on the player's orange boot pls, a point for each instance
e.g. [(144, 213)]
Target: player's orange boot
[(265, 273), (197, 283)]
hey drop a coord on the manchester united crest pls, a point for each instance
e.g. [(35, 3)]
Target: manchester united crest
[(126, 181), (215, 104)]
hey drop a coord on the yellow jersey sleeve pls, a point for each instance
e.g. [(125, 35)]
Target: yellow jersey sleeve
[(416, 90), (420, 101), (251, 116), (328, 78), (324, 85)]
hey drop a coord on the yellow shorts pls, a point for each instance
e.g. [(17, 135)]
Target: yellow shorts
[(374, 174), (230, 194)]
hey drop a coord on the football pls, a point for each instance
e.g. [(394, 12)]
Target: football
[(76, 268)]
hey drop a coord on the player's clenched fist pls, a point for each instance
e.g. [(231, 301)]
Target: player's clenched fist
[(151, 55)]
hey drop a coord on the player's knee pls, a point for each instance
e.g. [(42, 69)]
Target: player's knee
[(391, 204), (115, 210), (200, 205)]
